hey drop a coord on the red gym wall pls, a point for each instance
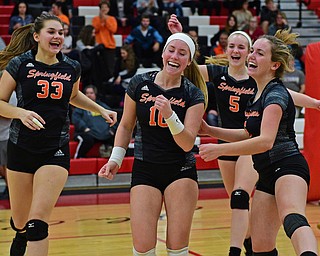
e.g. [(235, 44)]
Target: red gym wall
[(312, 120)]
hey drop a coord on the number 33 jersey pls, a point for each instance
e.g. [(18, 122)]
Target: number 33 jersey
[(46, 90), (153, 141)]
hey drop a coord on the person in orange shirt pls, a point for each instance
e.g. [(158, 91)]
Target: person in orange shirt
[(56, 10), (105, 28)]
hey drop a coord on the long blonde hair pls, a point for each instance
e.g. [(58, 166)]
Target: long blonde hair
[(280, 51), (22, 39)]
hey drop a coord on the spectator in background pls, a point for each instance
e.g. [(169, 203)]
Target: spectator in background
[(254, 30), (146, 42), (2, 44), (212, 115), (243, 15), (268, 15), (125, 68), (256, 6), (4, 137), (149, 7), (20, 16), (280, 23), (105, 27), (67, 47), (57, 9), (221, 47), (173, 7), (209, 5), (202, 51), (230, 26), (123, 11), (91, 127), (295, 82)]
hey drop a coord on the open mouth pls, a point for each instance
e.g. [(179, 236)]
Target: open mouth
[(55, 44), (173, 64), (252, 65)]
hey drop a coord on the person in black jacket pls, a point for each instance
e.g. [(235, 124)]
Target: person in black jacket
[(91, 127)]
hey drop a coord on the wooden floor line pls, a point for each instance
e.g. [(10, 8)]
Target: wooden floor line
[(190, 252)]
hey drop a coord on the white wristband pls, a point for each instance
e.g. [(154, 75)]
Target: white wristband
[(174, 124), (117, 155)]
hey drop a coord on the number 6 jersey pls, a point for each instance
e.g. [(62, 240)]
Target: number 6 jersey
[(46, 90)]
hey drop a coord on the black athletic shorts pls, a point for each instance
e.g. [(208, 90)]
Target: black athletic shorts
[(21, 160), (293, 165), (160, 176), (227, 158)]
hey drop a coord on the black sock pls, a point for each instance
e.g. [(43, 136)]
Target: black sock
[(234, 251)]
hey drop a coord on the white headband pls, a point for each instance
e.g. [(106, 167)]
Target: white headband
[(185, 38), (244, 34)]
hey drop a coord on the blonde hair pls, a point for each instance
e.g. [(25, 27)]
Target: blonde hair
[(280, 51), (22, 39)]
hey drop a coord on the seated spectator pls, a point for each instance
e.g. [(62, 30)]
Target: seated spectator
[(125, 68), (209, 5), (221, 47), (230, 26), (295, 81), (149, 7), (212, 115), (173, 7), (268, 15), (91, 127), (20, 16), (67, 47), (57, 9), (202, 51), (280, 23), (243, 15), (86, 38), (123, 11), (254, 30), (146, 42)]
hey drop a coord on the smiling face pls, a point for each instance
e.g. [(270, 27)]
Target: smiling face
[(51, 37), (237, 50), (259, 60), (176, 57)]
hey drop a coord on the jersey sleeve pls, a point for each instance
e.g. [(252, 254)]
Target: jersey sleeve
[(277, 95), (215, 70), (13, 67), (134, 81)]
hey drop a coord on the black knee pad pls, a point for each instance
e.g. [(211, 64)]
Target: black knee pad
[(36, 230), (274, 252), (239, 199), (14, 227), (293, 221)]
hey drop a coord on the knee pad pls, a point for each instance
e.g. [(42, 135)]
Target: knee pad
[(37, 230), (151, 252), (239, 199), (14, 227), (292, 222), (274, 252), (180, 252)]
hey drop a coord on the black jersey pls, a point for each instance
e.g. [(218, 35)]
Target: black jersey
[(285, 144), (46, 90), (232, 96), (153, 141)]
